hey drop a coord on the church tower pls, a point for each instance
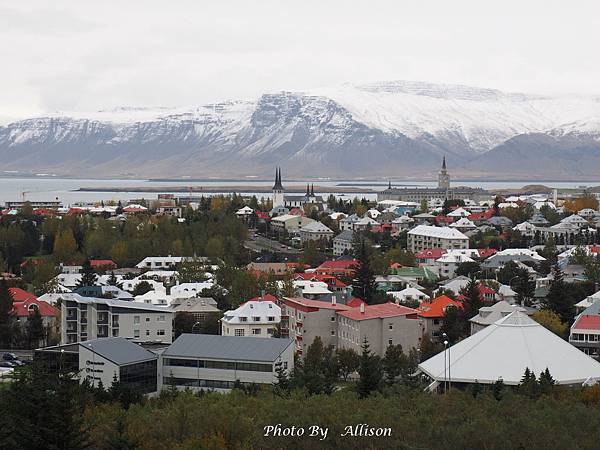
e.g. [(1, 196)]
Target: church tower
[(444, 177), (278, 189)]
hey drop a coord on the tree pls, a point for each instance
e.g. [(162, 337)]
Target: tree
[(429, 348), (141, 288), (468, 269), (546, 382), (498, 389), (559, 297), (64, 246), (348, 361), (369, 371), (88, 276), (529, 384), (550, 320), (183, 323), (314, 368), (471, 303), (394, 362), (454, 324), (283, 385), (6, 319), (192, 270), (363, 283), (35, 329)]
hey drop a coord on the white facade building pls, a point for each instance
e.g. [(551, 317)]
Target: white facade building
[(253, 318), (425, 237)]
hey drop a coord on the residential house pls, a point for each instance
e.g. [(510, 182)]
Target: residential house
[(585, 331), (433, 314), (315, 231), (252, 318), (342, 243)]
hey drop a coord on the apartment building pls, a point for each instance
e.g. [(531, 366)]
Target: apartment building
[(381, 325), (253, 318), (304, 319), (86, 318), (204, 361), (585, 331), (424, 237)]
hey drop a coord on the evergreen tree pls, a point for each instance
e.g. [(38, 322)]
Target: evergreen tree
[(363, 284), (472, 301), (559, 297), (475, 389), (283, 385), (370, 371), (498, 389), (314, 370), (546, 382), (6, 319), (35, 329), (529, 384), (88, 276), (394, 362)]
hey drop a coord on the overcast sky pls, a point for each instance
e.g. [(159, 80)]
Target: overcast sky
[(85, 56)]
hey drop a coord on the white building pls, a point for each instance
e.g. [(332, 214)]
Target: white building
[(101, 360), (213, 362), (409, 294), (85, 318), (342, 243), (425, 237), (253, 318), (159, 262), (315, 231), (449, 262)]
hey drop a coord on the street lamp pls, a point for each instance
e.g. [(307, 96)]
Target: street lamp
[(445, 365), (197, 323)]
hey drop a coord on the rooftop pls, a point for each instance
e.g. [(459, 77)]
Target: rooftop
[(227, 347)]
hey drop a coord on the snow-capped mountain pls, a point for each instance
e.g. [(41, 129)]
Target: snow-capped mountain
[(382, 129)]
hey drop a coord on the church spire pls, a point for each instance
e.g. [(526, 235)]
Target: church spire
[(444, 163), (389, 184), (312, 190), (277, 186), (307, 190)]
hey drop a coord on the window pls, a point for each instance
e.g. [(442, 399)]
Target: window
[(333, 318), (136, 320), (256, 319), (391, 326), (256, 331), (332, 333), (243, 319), (390, 342), (136, 333), (271, 319), (147, 332), (115, 332), (239, 332), (160, 333), (147, 319), (160, 318)]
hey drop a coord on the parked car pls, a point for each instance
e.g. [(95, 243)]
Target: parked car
[(12, 358)]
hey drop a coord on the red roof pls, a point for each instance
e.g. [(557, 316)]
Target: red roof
[(384, 227), (44, 212), (380, 311), (74, 211), (437, 307), (297, 212), (487, 214), (595, 248), (588, 323), (355, 302), (20, 295), (265, 298), (261, 215), (486, 252), (338, 267), (102, 263), (329, 279), (24, 309), (431, 253), (312, 305)]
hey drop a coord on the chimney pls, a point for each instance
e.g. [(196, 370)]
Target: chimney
[(362, 308), (333, 300)]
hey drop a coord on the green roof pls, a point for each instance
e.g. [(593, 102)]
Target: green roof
[(415, 272)]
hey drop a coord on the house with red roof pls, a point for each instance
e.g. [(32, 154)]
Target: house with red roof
[(333, 284), (433, 313), (338, 267), (585, 331), (102, 265), (26, 304), (427, 258), (381, 325), (481, 217), (443, 220)]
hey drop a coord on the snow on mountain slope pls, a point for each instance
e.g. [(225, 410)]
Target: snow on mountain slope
[(484, 117), (391, 128)]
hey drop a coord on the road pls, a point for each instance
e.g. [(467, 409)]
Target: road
[(260, 243)]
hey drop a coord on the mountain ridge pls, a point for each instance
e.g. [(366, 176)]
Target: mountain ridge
[(377, 129)]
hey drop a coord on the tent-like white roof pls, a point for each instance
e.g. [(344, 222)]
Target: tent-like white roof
[(508, 346)]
